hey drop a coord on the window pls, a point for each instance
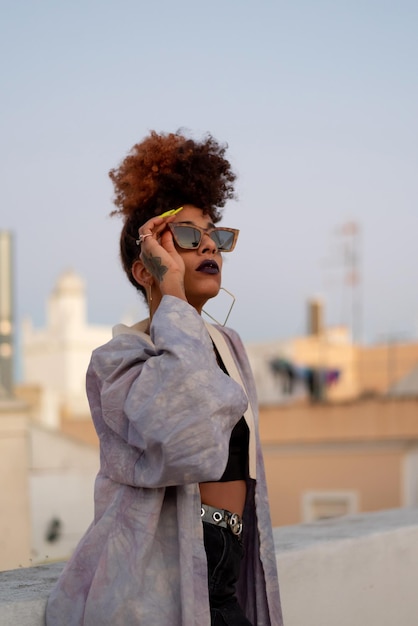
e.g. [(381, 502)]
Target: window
[(318, 505)]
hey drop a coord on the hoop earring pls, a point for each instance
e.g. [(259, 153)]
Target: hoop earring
[(229, 311), (149, 301)]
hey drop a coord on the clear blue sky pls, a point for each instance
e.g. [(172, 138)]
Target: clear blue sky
[(317, 100)]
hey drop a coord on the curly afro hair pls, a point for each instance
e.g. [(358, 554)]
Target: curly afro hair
[(166, 171)]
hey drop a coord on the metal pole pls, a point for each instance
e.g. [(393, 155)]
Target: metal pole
[(6, 314)]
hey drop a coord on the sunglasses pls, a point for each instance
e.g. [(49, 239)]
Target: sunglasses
[(189, 237)]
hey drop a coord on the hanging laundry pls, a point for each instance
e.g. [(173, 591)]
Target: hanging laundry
[(315, 379), (286, 372)]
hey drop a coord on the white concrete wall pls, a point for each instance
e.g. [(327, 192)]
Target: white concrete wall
[(360, 570), (44, 476), (61, 483)]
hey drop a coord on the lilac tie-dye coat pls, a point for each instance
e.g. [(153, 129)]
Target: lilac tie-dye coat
[(164, 411)]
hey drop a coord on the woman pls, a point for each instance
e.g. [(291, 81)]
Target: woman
[(181, 534)]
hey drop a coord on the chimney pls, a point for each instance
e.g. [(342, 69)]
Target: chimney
[(6, 315), (315, 317)]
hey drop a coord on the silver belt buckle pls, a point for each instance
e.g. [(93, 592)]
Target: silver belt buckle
[(235, 524)]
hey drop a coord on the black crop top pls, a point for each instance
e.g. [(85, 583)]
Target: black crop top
[(237, 466)]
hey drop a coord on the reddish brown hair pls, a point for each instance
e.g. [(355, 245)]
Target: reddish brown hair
[(166, 171)]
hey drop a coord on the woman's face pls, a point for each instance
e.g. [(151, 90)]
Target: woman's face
[(203, 265)]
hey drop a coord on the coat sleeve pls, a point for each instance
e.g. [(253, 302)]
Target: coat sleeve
[(163, 412)]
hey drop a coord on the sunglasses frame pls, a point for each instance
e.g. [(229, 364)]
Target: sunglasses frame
[(203, 231)]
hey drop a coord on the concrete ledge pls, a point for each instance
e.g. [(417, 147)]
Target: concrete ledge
[(23, 594), (305, 536), (360, 569)]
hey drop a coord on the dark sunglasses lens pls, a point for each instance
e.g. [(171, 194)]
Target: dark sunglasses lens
[(223, 239), (186, 236)]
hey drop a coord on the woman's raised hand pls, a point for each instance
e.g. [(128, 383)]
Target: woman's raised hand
[(160, 257)]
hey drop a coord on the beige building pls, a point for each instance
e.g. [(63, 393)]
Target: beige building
[(334, 459), (363, 370), (353, 448)]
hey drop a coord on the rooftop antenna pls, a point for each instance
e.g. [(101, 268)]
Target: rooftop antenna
[(344, 276), (351, 257)]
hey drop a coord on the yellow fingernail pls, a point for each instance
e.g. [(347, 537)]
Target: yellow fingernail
[(171, 212)]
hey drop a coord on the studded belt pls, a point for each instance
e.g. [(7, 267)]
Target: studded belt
[(222, 517)]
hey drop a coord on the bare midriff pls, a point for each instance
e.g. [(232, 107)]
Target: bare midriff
[(225, 495)]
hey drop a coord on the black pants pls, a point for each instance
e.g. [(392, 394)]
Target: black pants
[(224, 553)]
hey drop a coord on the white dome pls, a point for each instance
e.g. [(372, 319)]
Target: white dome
[(69, 282)]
